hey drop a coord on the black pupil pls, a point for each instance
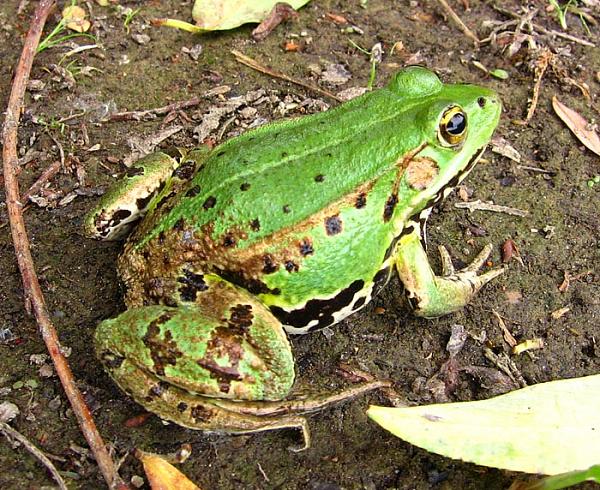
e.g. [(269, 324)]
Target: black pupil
[(457, 124)]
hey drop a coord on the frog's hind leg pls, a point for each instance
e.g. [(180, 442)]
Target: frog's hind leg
[(221, 362), (225, 416), (429, 295)]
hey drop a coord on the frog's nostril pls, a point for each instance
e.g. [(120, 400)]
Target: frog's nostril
[(482, 101)]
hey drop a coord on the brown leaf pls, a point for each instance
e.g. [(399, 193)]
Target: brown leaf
[(578, 125), (291, 46), (336, 18), (163, 475), (280, 13), (137, 420), (510, 251)]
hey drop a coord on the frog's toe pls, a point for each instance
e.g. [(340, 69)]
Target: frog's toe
[(478, 261), (469, 273), (447, 265)]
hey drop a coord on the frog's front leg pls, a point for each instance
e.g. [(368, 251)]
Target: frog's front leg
[(429, 295), (222, 363)]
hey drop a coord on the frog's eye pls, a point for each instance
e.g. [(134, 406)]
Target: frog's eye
[(453, 127)]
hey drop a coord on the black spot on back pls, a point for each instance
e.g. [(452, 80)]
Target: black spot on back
[(333, 225), (186, 170), (270, 265), (306, 247), (229, 241), (390, 205), (210, 202), (255, 224), (240, 318), (193, 192), (361, 201), (291, 266)]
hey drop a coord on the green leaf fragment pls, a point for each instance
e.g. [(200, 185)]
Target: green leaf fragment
[(213, 15), (564, 480), (499, 73), (548, 428)]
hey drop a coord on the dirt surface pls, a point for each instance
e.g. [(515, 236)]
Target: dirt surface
[(560, 235)]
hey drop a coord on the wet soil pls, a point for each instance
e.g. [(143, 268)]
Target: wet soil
[(348, 451)]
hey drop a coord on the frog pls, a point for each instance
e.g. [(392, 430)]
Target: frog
[(285, 229)]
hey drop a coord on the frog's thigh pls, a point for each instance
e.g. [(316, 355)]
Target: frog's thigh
[(226, 345), (430, 295)]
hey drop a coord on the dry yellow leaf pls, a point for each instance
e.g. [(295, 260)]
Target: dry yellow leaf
[(526, 345), (556, 314), (74, 17), (162, 475)]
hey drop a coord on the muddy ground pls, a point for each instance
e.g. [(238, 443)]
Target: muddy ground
[(560, 235)]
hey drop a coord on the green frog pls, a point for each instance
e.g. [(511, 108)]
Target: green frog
[(292, 227)]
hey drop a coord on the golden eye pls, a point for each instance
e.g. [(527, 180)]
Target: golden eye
[(453, 126)]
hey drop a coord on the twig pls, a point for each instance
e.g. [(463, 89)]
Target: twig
[(487, 206), (255, 65), (457, 20), (541, 65), (9, 432), (564, 35), (34, 298), (47, 174), (536, 169), (159, 111), (542, 29)]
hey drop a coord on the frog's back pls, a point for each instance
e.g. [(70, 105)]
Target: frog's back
[(281, 174)]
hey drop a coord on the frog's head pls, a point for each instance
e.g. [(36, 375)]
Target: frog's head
[(455, 123)]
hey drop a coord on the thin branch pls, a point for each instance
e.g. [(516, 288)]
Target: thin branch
[(34, 299), (255, 65), (478, 205), (458, 21), (11, 433), (47, 174), (159, 111)]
